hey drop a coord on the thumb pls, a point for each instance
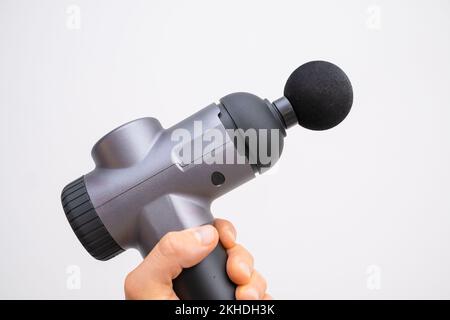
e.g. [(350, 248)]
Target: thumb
[(175, 251)]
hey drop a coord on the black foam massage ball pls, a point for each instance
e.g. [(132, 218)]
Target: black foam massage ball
[(320, 93)]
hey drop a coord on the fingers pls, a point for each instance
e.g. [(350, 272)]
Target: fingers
[(152, 279), (240, 261), (254, 290), (178, 250), (227, 233), (239, 265)]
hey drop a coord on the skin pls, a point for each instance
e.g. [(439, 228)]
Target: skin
[(152, 279)]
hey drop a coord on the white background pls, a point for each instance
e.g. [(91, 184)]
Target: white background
[(373, 191)]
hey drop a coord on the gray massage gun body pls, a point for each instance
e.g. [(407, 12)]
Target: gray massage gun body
[(143, 187), (146, 178)]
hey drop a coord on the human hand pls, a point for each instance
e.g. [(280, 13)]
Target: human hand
[(152, 279)]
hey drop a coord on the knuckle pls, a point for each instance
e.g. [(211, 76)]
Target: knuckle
[(263, 281), (242, 252), (259, 281), (223, 224), (169, 246), (132, 286), (231, 266), (239, 294), (228, 225)]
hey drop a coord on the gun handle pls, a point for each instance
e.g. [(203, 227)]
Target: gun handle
[(207, 280)]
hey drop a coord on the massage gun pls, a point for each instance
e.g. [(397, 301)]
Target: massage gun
[(146, 183)]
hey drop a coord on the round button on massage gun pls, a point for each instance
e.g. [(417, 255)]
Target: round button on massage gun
[(141, 188)]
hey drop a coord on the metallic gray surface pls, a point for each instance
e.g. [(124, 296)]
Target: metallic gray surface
[(126, 145), (286, 111), (146, 190)]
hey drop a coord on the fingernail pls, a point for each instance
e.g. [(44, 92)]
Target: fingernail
[(251, 294), (205, 234), (245, 268)]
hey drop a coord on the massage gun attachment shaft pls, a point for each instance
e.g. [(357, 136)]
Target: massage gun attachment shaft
[(286, 112)]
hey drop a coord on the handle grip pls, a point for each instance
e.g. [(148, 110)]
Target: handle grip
[(207, 280)]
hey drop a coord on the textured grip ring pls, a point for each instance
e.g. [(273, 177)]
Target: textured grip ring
[(85, 222)]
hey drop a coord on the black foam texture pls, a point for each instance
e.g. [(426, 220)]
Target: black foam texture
[(320, 93)]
